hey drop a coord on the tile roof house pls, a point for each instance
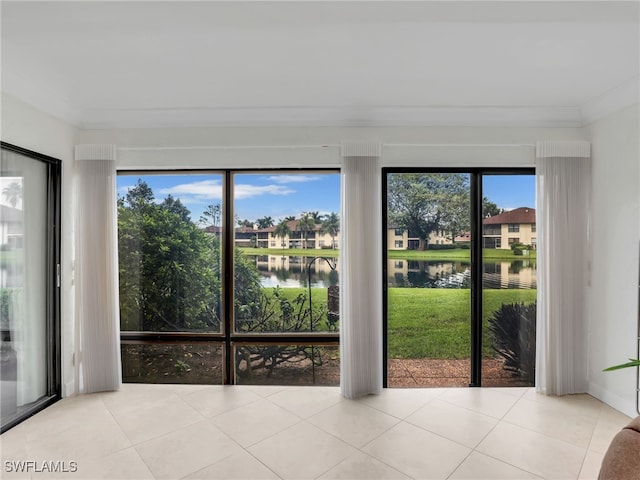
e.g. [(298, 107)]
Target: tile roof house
[(514, 226)]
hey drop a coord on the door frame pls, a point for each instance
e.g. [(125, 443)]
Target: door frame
[(475, 192)]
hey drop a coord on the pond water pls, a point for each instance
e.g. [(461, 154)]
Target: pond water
[(514, 274), (291, 271)]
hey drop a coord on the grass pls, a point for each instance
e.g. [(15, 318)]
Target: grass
[(434, 323), (456, 254), (430, 322), (452, 255)]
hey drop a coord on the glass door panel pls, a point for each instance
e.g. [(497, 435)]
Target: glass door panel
[(27, 263), (429, 279), (509, 280)]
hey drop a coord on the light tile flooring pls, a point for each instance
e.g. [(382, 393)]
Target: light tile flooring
[(216, 432)]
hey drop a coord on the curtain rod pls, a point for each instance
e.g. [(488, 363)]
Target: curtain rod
[(295, 147)]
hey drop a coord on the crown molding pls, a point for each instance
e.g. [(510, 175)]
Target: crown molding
[(616, 99), (482, 116)]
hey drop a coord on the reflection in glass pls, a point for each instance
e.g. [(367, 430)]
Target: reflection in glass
[(24, 270)]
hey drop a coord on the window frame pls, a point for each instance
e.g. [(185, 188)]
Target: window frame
[(227, 337), (477, 242)]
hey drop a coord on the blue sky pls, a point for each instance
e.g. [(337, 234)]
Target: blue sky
[(283, 194), (510, 191), (277, 195)]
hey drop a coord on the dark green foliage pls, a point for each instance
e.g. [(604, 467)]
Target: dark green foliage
[(443, 246), (513, 327), (429, 202)]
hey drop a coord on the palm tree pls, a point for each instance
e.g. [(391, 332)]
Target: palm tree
[(13, 193), (290, 218), (331, 225), (265, 222), (305, 225), (282, 230), (317, 218)]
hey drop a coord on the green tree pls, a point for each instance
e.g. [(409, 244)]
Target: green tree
[(265, 222), (169, 269), (490, 209), (211, 216), (282, 230), (317, 218), (305, 225), (176, 206), (431, 202), (331, 226)]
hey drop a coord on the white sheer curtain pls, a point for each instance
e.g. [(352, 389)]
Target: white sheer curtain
[(563, 171), (361, 271), (96, 270)]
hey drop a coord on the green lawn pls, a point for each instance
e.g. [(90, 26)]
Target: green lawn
[(457, 254), (430, 322), (434, 323), (453, 255)]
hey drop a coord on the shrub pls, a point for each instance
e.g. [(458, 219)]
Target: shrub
[(443, 246), (514, 338)]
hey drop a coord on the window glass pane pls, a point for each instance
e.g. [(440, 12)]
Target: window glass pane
[(287, 365), (197, 363), (169, 237), (24, 273), (428, 279), (509, 281), (286, 231)]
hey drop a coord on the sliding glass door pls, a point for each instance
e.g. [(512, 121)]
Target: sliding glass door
[(29, 284), (459, 277), (509, 285), (429, 279)]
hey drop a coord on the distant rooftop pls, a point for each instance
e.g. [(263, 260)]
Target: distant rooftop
[(518, 215)]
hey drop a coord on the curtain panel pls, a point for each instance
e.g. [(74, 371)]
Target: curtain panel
[(360, 271), (563, 176), (96, 269)]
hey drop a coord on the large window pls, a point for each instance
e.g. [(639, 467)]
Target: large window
[(229, 277), (29, 282)]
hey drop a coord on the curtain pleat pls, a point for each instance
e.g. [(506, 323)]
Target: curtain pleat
[(563, 174), (96, 268), (361, 276)]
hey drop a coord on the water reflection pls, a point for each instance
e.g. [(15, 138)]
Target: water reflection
[(288, 271), (516, 274)]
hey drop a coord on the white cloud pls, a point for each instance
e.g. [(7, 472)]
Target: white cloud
[(203, 190), (207, 190), (249, 191), (293, 178)]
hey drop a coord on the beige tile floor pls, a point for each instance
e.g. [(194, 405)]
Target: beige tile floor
[(216, 432)]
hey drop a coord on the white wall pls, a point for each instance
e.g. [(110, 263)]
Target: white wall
[(26, 127), (616, 209), (613, 296)]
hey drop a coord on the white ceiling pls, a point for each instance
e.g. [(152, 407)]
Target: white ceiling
[(148, 64)]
